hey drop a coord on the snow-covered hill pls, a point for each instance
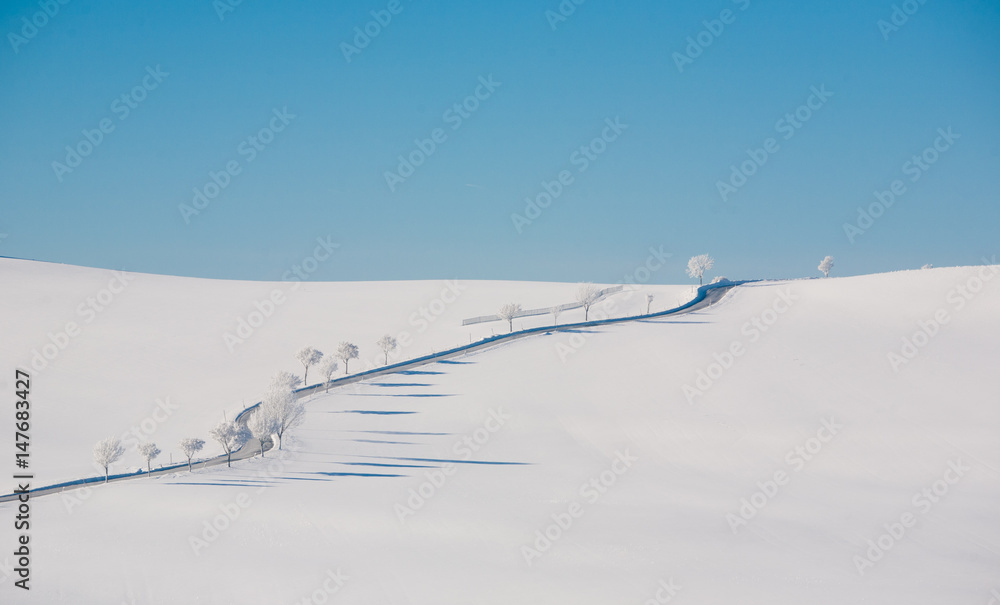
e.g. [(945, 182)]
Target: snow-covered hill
[(821, 441), (157, 357)]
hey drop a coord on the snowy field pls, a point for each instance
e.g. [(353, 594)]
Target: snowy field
[(163, 358), (815, 441)]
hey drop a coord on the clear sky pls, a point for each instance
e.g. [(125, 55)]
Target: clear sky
[(181, 90)]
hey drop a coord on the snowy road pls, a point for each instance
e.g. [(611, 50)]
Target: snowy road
[(706, 296)]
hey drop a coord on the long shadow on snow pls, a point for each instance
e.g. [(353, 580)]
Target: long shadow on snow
[(379, 412), (401, 433), (355, 474), (400, 395), (381, 441), (382, 464), (445, 460)]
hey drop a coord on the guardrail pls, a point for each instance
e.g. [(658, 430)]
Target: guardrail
[(702, 294), (601, 295)]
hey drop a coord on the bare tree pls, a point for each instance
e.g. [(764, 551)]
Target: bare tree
[(386, 343), (285, 410), (649, 302), (148, 451), (346, 352), (825, 265), (286, 378), (231, 436), (261, 425), (326, 369), (191, 446), (587, 294), (308, 357), (509, 311), (107, 452), (698, 265)]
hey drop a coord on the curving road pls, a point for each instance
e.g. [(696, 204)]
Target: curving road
[(707, 295)]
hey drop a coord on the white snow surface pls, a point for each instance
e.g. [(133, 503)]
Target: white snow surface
[(532, 430)]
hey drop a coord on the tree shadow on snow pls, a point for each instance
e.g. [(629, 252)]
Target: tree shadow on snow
[(379, 412), (355, 474), (446, 461), (400, 395)]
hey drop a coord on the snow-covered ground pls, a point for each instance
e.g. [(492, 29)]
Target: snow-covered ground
[(746, 453), (163, 358)]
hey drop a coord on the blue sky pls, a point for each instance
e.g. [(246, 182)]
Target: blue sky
[(886, 93)]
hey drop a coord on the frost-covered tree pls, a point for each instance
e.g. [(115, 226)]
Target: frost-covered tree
[(261, 425), (308, 356), (556, 312), (148, 451), (107, 452), (386, 343), (587, 294), (346, 352), (697, 266), (719, 279), (509, 311), (649, 302), (191, 446), (286, 378), (825, 265), (231, 436), (927, 266), (326, 369), (284, 408)]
